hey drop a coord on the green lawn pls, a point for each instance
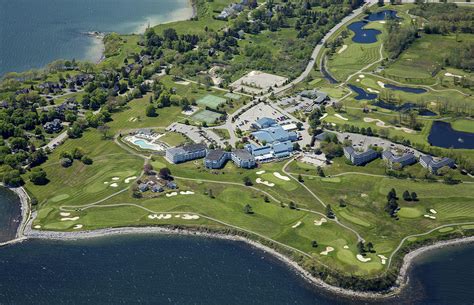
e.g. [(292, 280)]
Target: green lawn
[(463, 125)]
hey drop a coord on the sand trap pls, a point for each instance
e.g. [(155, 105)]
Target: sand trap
[(324, 115), (296, 225), (280, 176), (106, 182), (260, 181), (161, 216), (363, 195), (115, 178), (37, 227), (383, 259), (344, 47), (372, 90), (337, 115), (363, 259), (327, 251), (65, 214), (70, 218), (172, 194), (382, 21), (452, 75), (429, 216), (361, 75), (433, 211), (320, 222), (127, 180), (346, 247), (357, 80), (177, 216), (187, 193), (114, 185), (77, 227), (189, 217), (260, 172), (381, 123), (182, 82), (382, 85)]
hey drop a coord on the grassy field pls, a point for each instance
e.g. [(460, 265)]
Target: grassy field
[(463, 125)]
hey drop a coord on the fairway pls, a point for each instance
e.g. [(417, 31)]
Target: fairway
[(206, 116), (211, 101)]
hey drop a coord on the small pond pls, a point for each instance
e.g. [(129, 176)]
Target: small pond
[(363, 35), (405, 107), (382, 15), (362, 94), (443, 135), (406, 89)]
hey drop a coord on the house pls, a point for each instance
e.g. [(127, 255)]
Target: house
[(186, 153), (264, 123), (53, 126), (434, 165), (274, 134), (171, 185), (360, 158), (143, 187), (242, 158), (403, 160), (157, 188), (216, 158)]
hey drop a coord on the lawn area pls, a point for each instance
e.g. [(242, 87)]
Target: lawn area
[(173, 138), (465, 125), (221, 132)]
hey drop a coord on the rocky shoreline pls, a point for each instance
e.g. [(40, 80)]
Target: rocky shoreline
[(26, 232)]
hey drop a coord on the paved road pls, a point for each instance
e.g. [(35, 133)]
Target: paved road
[(57, 140)]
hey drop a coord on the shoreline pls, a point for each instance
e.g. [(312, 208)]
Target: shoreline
[(25, 231)]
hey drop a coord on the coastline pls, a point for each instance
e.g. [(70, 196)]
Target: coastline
[(26, 231)]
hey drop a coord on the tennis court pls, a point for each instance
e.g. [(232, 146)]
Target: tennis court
[(211, 101), (233, 96), (206, 116)]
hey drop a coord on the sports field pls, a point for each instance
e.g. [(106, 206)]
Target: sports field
[(233, 96), (211, 101), (206, 116)]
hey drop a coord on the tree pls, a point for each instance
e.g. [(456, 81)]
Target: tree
[(103, 129), (414, 196), (247, 181), (248, 209), (314, 244), (165, 173), (342, 203), (66, 162), (300, 178), (361, 247), (148, 169), (370, 247), (320, 171), (266, 199), (38, 176), (406, 196), (329, 212), (392, 194), (87, 160), (150, 111), (292, 205), (13, 178)]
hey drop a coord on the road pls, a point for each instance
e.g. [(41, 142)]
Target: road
[(57, 140)]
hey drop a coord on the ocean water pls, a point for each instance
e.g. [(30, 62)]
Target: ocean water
[(36, 32), (10, 214)]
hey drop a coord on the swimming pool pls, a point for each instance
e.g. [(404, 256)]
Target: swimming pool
[(144, 144)]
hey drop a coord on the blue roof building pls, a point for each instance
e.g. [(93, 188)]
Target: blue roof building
[(216, 158), (434, 165), (265, 122), (272, 151), (274, 134), (360, 158), (404, 160)]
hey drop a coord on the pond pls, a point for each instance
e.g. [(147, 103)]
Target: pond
[(362, 94), (363, 35), (406, 89), (405, 107), (326, 74), (443, 135), (382, 15)]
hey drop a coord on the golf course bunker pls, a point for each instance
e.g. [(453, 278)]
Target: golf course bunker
[(114, 185), (267, 183), (260, 172), (161, 216), (70, 218), (296, 225), (172, 194), (320, 222), (381, 124), (115, 178), (337, 115), (37, 227), (280, 176), (77, 227), (429, 216), (186, 193), (363, 259), (344, 47), (65, 214), (127, 180), (327, 251), (189, 217), (433, 211), (383, 259)]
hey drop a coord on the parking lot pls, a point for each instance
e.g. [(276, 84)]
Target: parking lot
[(196, 134)]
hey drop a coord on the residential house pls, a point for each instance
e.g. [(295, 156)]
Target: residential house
[(360, 158), (53, 126), (143, 187)]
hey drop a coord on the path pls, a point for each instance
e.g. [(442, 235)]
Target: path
[(56, 141)]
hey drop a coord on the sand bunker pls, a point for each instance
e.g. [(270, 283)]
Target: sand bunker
[(382, 21), (452, 75), (77, 227), (383, 259), (296, 225), (433, 211), (186, 193), (65, 214), (363, 259), (70, 218), (260, 172), (161, 216), (382, 85), (182, 82), (280, 176), (260, 181), (189, 217), (337, 115), (361, 75), (37, 227), (114, 185), (115, 178), (327, 251), (363, 195), (357, 80), (324, 115), (344, 47), (346, 247), (320, 222), (106, 182), (429, 216), (127, 180), (381, 123), (372, 90), (172, 194)]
